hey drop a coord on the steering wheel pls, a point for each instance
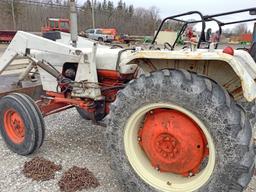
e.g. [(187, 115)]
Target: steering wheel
[(185, 47), (243, 48), (152, 47), (116, 46), (167, 46)]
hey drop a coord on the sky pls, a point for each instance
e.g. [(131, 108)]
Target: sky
[(172, 7)]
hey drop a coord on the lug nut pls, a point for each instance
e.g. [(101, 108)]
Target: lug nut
[(139, 138), (190, 174), (157, 168), (151, 112)]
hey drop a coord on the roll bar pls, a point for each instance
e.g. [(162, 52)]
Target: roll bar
[(185, 23), (203, 20)]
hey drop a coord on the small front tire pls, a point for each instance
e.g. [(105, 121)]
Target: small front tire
[(21, 124)]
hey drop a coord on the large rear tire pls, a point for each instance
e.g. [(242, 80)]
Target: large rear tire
[(250, 108), (21, 124), (230, 163)]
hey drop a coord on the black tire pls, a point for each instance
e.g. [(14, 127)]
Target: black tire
[(89, 116), (226, 122), (40, 116), (250, 108), (100, 39), (33, 123)]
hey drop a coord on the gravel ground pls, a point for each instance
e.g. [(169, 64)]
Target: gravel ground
[(69, 141)]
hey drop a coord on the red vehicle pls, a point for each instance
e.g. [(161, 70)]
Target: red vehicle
[(110, 31), (57, 24), (6, 36)]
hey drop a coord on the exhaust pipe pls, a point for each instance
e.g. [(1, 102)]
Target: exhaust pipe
[(73, 23)]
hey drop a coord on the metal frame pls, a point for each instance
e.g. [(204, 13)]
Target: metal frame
[(186, 23), (204, 19)]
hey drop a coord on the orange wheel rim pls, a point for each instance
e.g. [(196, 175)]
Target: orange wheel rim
[(169, 138), (14, 126)]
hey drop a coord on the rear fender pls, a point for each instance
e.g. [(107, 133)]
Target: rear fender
[(235, 73)]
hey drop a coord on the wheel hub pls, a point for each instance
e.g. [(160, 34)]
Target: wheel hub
[(14, 126), (173, 142), (166, 146)]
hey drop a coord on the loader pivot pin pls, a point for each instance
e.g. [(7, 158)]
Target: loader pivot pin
[(173, 142)]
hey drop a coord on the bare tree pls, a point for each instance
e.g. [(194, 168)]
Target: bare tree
[(32, 15), (13, 9), (241, 29)]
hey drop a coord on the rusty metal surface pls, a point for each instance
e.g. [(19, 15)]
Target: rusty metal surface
[(9, 84)]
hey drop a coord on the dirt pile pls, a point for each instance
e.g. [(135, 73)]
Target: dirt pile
[(76, 179), (40, 169)]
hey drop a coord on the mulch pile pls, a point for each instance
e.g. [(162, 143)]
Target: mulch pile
[(40, 169), (76, 179)]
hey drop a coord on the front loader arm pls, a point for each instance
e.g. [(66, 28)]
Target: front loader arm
[(23, 42), (41, 50)]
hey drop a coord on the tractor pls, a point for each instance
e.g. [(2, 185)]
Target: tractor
[(176, 120), (56, 24)]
